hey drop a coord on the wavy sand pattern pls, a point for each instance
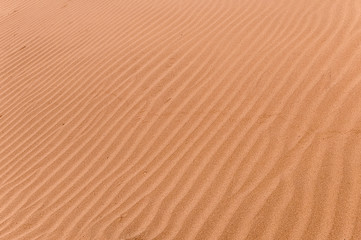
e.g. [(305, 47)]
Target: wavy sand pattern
[(209, 119)]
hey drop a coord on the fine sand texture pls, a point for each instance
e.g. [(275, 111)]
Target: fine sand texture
[(180, 119)]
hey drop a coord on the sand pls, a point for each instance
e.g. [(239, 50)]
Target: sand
[(180, 119)]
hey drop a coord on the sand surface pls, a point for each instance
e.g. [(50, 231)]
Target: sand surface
[(180, 119)]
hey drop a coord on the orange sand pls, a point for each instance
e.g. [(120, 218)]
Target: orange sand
[(180, 119)]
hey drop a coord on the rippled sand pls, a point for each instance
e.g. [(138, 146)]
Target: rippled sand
[(180, 119)]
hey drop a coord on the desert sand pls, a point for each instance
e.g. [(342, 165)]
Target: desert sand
[(180, 119)]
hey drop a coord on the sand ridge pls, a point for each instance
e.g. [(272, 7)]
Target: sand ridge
[(232, 119)]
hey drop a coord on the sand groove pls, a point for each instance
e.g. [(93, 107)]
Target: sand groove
[(165, 119)]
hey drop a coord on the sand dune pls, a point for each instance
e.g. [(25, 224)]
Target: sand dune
[(209, 119)]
